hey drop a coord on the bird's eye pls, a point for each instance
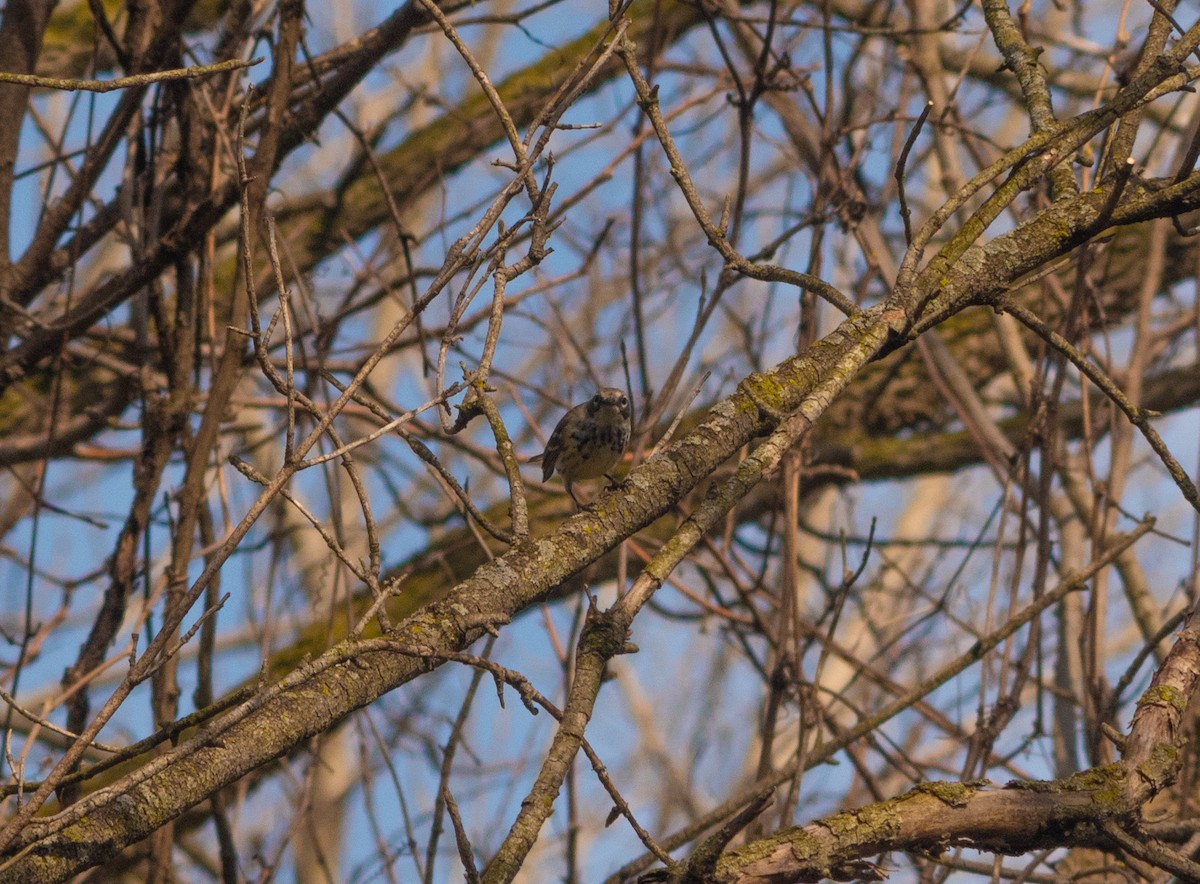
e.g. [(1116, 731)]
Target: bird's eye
[(624, 401)]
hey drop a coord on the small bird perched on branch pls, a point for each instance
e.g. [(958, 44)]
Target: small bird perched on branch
[(589, 440)]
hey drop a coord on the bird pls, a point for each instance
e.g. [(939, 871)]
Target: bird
[(589, 440)]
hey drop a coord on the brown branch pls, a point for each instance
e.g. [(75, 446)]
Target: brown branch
[(193, 72)]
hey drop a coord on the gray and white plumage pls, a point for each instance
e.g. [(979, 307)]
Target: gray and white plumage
[(589, 440)]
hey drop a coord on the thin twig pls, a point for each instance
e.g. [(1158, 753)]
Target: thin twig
[(899, 172), (188, 73)]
